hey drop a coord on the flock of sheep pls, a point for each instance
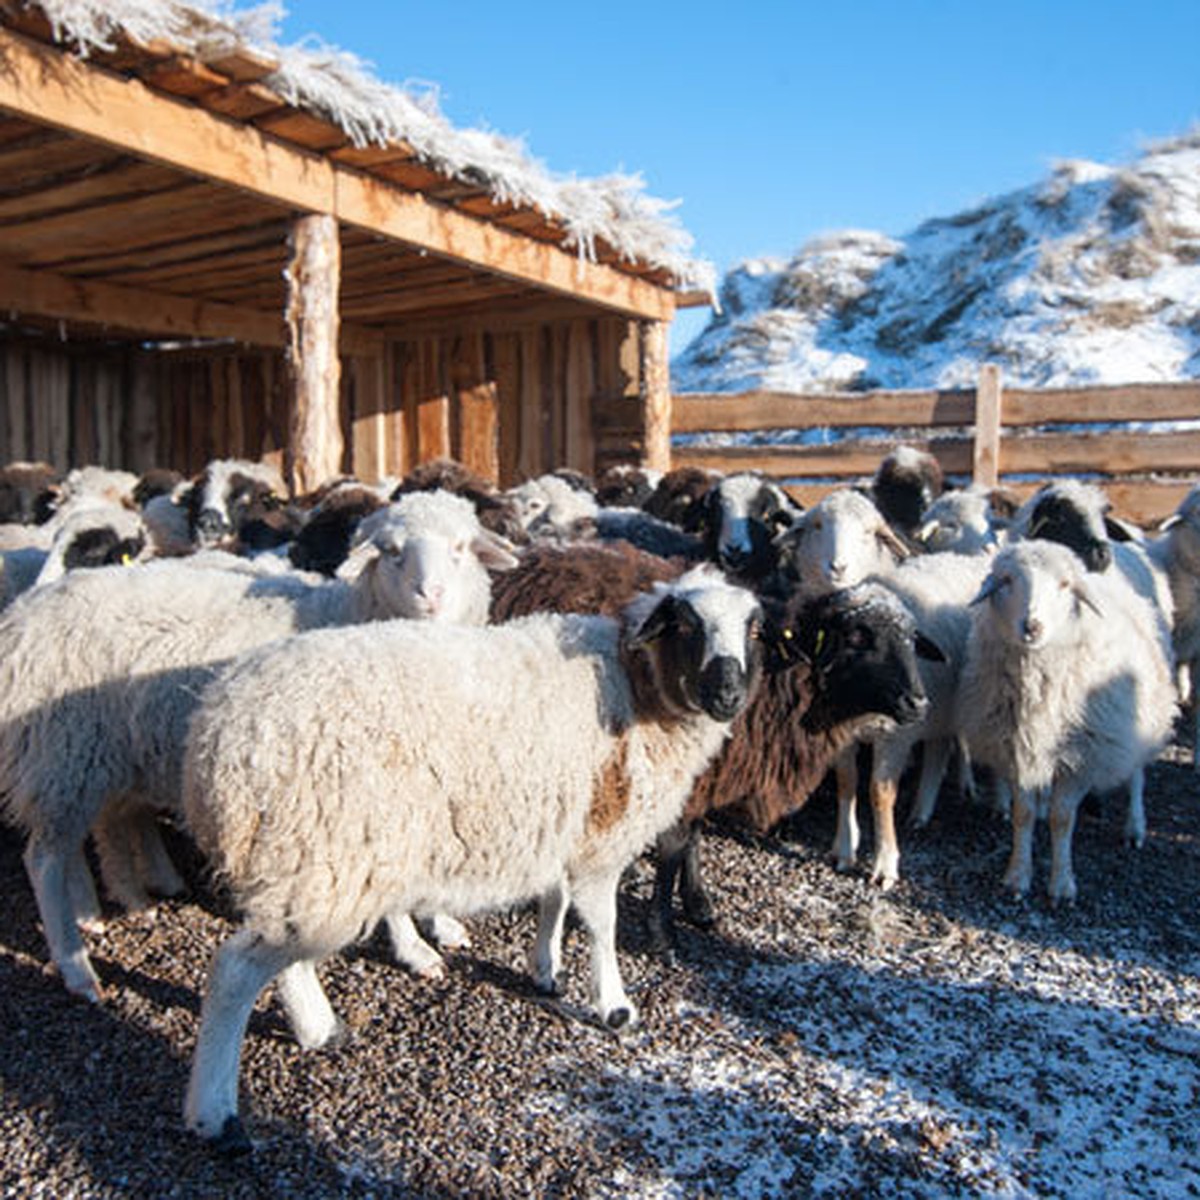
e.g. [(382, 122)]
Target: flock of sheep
[(412, 702)]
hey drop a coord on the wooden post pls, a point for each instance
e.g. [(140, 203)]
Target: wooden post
[(369, 447), (656, 396), (313, 276), (988, 398)]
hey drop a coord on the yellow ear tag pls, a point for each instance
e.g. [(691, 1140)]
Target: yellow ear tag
[(126, 560), (819, 642)]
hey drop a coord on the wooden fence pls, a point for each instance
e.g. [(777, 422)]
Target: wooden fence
[(1015, 436)]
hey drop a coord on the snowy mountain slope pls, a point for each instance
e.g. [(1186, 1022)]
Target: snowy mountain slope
[(1091, 276)]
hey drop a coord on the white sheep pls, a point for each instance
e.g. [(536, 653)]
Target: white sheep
[(100, 672), (336, 777), (1067, 689), (1176, 552), (840, 542), (961, 522), (549, 506), (88, 533)]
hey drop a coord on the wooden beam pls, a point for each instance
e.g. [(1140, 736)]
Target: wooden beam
[(315, 436), (136, 310), (988, 399), (53, 87), (656, 396)]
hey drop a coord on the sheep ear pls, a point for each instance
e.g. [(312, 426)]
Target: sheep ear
[(493, 551), (362, 557), (889, 539), (928, 649), (990, 587), (1083, 594), (656, 624), (1116, 531)]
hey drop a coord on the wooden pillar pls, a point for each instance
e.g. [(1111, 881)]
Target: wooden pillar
[(313, 276), (988, 400), (656, 396)]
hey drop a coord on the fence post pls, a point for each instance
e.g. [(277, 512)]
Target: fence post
[(656, 396), (988, 399)]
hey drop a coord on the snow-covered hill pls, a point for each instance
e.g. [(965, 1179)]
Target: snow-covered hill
[(1091, 276)]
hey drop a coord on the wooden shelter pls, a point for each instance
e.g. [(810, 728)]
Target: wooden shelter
[(203, 254)]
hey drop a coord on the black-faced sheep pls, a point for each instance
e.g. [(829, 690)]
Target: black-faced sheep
[(1067, 689), (678, 497), (585, 736), (323, 540), (28, 492), (906, 483), (743, 516), (100, 673), (626, 486)]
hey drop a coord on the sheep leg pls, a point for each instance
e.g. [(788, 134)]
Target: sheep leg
[(846, 837), (596, 902), (935, 757), (1135, 814), (1020, 866), (411, 950), (160, 874), (85, 904), (51, 873), (545, 962), (697, 903), (447, 931), (660, 921), (116, 834), (1064, 803), (309, 1013), (242, 966), (886, 868)]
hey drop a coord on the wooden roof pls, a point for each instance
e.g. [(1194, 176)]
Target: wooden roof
[(142, 189)]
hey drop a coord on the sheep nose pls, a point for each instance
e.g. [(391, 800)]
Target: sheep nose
[(211, 524), (1031, 629), (1097, 556), (837, 572), (911, 707), (723, 688)]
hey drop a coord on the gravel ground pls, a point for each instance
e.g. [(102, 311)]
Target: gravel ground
[(941, 1040)]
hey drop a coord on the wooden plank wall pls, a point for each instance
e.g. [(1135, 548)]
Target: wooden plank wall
[(121, 406), (1031, 436), (510, 402)]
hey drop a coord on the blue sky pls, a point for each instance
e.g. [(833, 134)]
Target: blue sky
[(773, 122)]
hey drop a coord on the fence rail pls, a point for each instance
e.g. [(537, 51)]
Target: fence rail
[(990, 434)]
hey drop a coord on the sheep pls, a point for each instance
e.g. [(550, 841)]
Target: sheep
[(905, 484), (648, 533), (100, 672), (90, 534), (743, 515), (961, 522), (784, 743), (626, 486), (323, 541), (496, 512), (1066, 689), (1176, 552), (841, 665), (842, 541), (837, 543), (332, 779), (28, 492), (678, 497), (552, 507)]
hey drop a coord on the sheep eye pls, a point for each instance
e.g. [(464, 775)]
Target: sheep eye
[(857, 638)]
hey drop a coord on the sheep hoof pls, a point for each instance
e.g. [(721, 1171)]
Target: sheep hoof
[(432, 972), (232, 1141), (700, 913), (550, 985), (618, 1019)]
